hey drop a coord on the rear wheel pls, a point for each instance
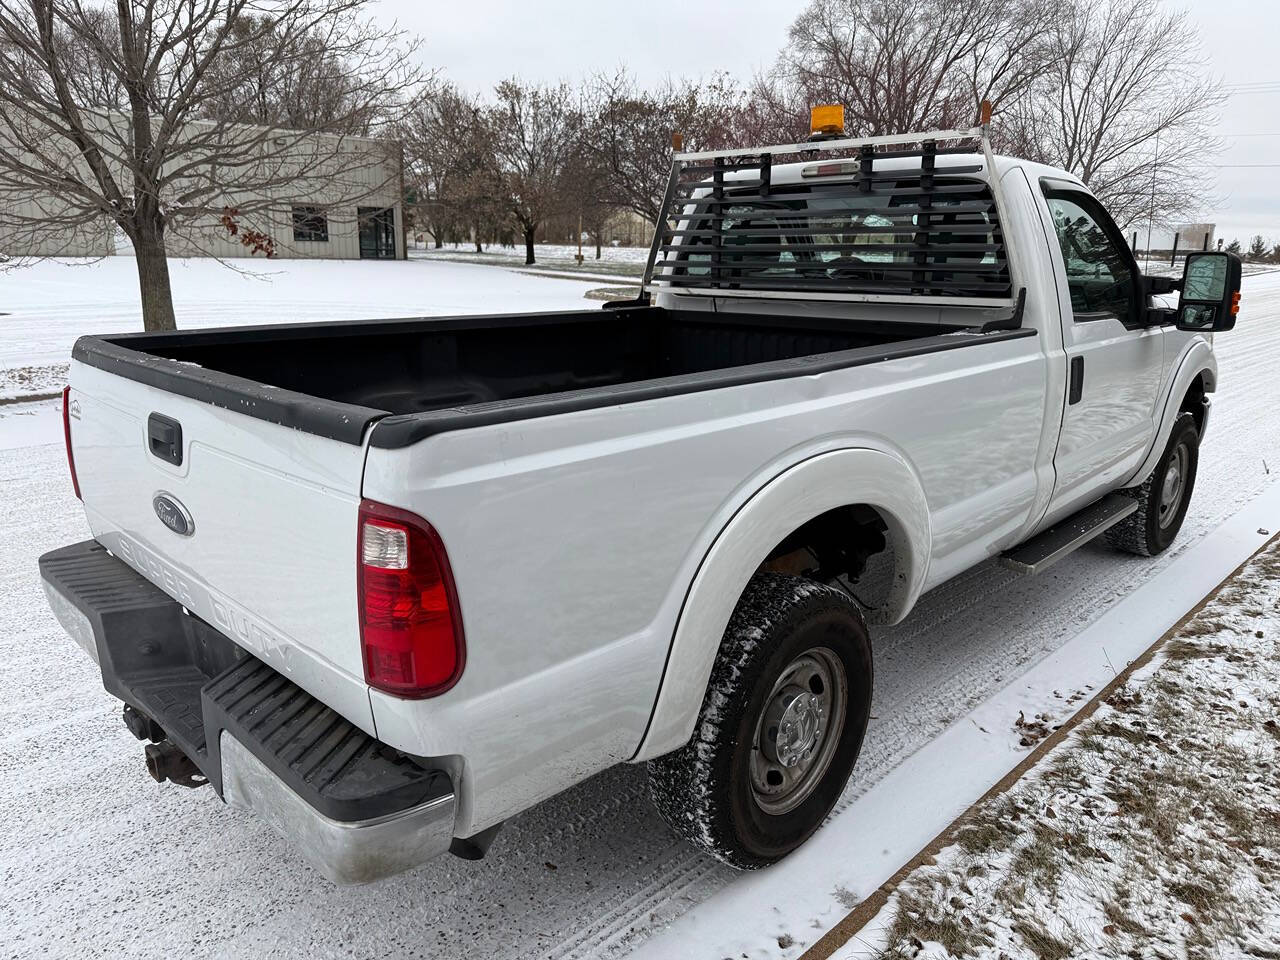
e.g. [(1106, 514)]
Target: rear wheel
[(1164, 497), (780, 727)]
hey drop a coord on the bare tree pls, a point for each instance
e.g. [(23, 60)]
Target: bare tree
[(536, 132), (310, 88), (450, 161), (429, 162), (775, 111), (589, 201), (124, 115), (631, 132), (900, 65), (1127, 105)]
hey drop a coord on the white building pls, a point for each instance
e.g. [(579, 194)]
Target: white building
[(314, 195)]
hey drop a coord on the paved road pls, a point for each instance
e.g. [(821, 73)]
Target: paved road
[(95, 860)]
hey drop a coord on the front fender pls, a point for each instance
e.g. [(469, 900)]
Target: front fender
[(804, 491), (1197, 359)]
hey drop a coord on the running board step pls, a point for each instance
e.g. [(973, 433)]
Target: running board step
[(1045, 549)]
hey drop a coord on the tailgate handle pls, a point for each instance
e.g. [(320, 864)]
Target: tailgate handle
[(164, 437)]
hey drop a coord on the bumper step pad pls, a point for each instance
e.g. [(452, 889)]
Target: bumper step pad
[(152, 655), (195, 683), (341, 770)]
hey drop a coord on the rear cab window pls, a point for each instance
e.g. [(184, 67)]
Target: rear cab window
[(897, 239)]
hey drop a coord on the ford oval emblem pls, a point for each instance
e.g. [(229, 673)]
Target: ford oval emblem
[(173, 514)]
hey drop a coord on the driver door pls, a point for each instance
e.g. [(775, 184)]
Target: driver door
[(1115, 362)]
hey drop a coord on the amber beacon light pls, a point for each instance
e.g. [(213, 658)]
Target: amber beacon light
[(827, 119)]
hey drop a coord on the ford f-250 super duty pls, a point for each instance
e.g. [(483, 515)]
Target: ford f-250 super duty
[(388, 583)]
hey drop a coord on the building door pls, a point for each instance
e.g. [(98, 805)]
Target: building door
[(377, 233)]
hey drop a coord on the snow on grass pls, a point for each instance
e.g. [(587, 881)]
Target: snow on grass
[(30, 424), (44, 307), (547, 254), (1162, 268), (1153, 830)]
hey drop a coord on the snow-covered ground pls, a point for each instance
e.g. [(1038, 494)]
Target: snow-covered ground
[(616, 266), (45, 306), (1152, 830), (549, 253), (98, 861)]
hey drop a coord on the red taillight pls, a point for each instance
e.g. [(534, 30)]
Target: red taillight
[(410, 624), (66, 435)]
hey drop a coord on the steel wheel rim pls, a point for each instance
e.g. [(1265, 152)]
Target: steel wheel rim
[(798, 731), (1174, 484)]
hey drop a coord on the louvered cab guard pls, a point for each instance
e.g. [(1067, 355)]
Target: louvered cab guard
[(879, 218)]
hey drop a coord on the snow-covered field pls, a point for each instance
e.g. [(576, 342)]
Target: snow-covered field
[(616, 266), (550, 253), (98, 861), (45, 306)]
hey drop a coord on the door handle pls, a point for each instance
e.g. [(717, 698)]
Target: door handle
[(1077, 380), (164, 437)]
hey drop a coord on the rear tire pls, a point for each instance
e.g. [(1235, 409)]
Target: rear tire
[(1164, 497), (780, 728)]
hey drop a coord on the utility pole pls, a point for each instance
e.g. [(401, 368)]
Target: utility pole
[(1151, 214)]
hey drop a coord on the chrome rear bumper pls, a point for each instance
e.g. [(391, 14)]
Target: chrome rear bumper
[(347, 853)]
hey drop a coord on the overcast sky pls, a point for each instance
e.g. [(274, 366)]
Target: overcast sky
[(476, 43)]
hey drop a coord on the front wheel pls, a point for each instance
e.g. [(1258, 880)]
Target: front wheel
[(780, 727), (1164, 497)]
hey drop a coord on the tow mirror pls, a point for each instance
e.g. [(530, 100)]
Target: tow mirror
[(1210, 292)]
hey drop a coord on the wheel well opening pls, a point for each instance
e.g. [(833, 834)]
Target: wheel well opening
[(1193, 402), (849, 543)]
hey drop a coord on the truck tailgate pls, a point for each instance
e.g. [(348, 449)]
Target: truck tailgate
[(261, 533)]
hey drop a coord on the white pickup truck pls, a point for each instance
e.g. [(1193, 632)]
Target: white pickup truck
[(389, 583)]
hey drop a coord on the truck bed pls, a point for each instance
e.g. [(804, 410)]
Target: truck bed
[(337, 379), (265, 440)]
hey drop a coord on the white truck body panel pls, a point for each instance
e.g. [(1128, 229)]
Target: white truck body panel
[(810, 488), (541, 556), (273, 566)]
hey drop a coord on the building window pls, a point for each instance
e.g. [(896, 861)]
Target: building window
[(310, 223)]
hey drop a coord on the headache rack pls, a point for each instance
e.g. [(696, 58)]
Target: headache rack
[(853, 228)]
